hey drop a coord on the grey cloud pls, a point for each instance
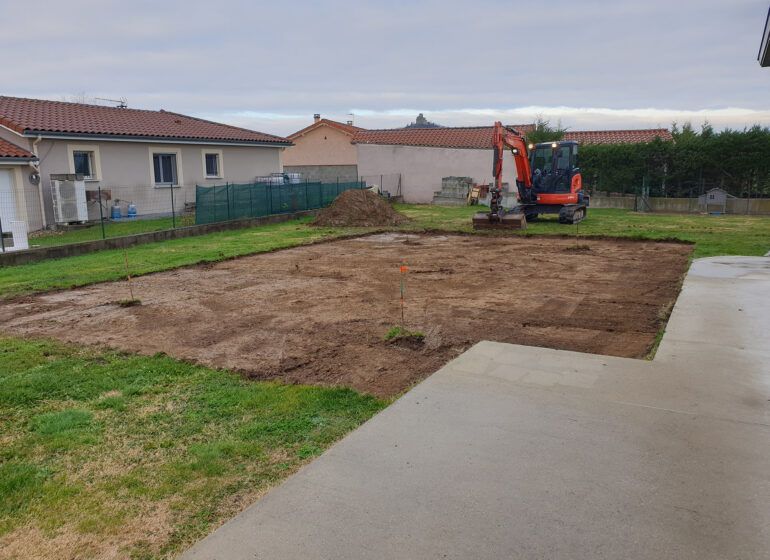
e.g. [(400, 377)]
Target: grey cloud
[(294, 58)]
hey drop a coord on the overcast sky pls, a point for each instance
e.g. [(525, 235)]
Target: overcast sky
[(269, 65)]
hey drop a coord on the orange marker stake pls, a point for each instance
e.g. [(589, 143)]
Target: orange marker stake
[(403, 269)]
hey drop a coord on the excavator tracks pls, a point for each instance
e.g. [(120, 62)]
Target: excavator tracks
[(572, 213)]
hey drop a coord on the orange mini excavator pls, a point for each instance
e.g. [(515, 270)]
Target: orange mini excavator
[(548, 182)]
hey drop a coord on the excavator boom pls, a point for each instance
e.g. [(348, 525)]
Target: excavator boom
[(497, 217)]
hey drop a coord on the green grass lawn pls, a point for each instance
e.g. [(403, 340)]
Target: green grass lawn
[(103, 451), (111, 229), (152, 257), (712, 235)]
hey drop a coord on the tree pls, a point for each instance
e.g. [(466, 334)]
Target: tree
[(735, 160), (544, 132)]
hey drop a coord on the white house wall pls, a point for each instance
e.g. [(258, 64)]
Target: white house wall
[(28, 195), (422, 168)]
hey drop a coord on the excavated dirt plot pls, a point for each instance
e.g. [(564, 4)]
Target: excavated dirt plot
[(317, 314)]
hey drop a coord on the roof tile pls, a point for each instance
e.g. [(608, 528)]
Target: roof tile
[(41, 116), (480, 137), (9, 150), (618, 136), (344, 127)]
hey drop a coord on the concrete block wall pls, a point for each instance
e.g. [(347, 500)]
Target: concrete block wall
[(454, 191), (758, 206), (324, 173)]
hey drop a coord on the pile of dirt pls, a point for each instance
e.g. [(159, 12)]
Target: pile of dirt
[(359, 208)]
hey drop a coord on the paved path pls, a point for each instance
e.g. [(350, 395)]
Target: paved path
[(519, 452)]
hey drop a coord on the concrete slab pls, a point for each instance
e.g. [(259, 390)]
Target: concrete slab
[(520, 452)]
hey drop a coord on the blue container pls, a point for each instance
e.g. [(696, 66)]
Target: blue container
[(132, 210), (115, 212)]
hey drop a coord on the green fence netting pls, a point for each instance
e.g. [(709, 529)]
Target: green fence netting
[(251, 200)]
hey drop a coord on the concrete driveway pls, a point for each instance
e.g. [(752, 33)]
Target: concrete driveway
[(520, 452)]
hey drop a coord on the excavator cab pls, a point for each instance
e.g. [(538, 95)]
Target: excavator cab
[(554, 164), (557, 186)]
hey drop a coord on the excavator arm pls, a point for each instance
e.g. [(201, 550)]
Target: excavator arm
[(503, 138)]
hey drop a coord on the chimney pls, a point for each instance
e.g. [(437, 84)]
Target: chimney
[(349, 122), (317, 117)]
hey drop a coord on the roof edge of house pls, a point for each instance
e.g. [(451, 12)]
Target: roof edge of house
[(278, 138), (327, 122), (570, 135), (18, 127), (17, 159), (30, 133), (764, 45)]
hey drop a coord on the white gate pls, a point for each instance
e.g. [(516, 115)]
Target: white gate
[(7, 200)]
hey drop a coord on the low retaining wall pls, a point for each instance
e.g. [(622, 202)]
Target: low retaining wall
[(60, 251), (758, 206)]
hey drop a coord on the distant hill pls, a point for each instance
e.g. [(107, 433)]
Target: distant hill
[(422, 122)]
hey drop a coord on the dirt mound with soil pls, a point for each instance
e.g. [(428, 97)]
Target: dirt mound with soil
[(359, 208)]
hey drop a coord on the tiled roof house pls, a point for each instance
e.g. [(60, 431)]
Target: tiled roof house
[(133, 155)]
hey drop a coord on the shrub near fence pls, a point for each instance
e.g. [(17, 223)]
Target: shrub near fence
[(235, 201)]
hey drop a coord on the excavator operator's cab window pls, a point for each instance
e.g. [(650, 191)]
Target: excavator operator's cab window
[(552, 167), (542, 159), (563, 159)]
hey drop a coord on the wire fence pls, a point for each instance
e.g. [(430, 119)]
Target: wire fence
[(387, 184), (684, 197), (235, 201), (71, 210)]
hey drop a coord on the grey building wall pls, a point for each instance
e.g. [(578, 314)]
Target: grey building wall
[(324, 173), (422, 168)]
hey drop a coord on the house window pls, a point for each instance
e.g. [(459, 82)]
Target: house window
[(212, 165), (164, 166), (84, 163)]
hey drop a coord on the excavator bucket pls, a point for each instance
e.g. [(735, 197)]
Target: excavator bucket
[(483, 220)]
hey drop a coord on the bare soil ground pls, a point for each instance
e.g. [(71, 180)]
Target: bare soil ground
[(318, 314)]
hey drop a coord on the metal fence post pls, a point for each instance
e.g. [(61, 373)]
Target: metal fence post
[(227, 190), (101, 210), (2, 239), (173, 212), (307, 198), (748, 199), (269, 190), (251, 200)]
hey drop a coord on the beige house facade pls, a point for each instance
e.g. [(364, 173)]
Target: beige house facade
[(323, 151), (129, 156)]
